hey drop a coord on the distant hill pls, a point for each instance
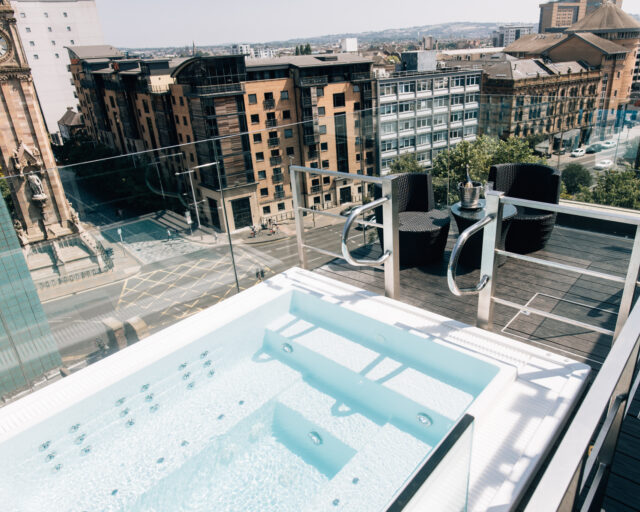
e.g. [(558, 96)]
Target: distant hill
[(458, 30)]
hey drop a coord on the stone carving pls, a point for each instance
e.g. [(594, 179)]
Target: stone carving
[(22, 236), (24, 157), (37, 189)]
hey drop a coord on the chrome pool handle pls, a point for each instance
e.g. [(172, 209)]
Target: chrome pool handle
[(455, 255), (345, 235)]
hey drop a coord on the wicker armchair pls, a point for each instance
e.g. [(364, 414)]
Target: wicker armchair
[(423, 230), (531, 228)]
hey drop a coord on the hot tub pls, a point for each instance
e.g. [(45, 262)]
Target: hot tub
[(298, 394)]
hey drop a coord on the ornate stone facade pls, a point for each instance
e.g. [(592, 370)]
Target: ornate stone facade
[(41, 207)]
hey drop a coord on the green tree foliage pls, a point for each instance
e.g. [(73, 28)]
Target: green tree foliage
[(307, 49), (297, 50), (614, 188), (5, 191), (405, 163), (576, 176), (449, 167)]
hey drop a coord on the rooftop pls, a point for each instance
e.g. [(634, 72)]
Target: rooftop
[(309, 61), (607, 18), (523, 69), (535, 44), (102, 51)]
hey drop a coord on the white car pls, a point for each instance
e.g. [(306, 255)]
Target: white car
[(603, 165), (578, 152), (608, 144)]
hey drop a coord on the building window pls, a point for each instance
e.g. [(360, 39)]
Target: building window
[(286, 114), (284, 95), (326, 180), (324, 146), (321, 111), (49, 29), (257, 137), (31, 43), (72, 42), (325, 165), (57, 55), (23, 15), (322, 129), (288, 133), (356, 105), (184, 121), (113, 103), (327, 197), (262, 175), (260, 157), (320, 91), (181, 101), (406, 87), (53, 43), (338, 100), (28, 29), (268, 96), (35, 56), (264, 192), (177, 119), (280, 207), (290, 151), (255, 118), (65, 14), (253, 99), (188, 138), (387, 89), (266, 210), (68, 29), (173, 100), (46, 14)]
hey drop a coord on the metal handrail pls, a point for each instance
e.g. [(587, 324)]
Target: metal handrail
[(345, 236), (452, 266)]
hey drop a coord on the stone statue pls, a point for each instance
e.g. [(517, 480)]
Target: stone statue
[(37, 190), (22, 236)]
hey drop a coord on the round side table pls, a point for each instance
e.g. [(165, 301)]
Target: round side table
[(471, 254)]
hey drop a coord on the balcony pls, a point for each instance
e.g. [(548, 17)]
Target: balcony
[(278, 194), (275, 160), (310, 140), (273, 141), (315, 189), (309, 101), (314, 81), (271, 123), (277, 178), (367, 94), (218, 90), (269, 104), (362, 77)]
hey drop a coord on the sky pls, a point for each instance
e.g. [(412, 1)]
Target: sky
[(154, 23)]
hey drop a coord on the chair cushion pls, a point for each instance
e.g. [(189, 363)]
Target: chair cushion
[(531, 214), (418, 222)]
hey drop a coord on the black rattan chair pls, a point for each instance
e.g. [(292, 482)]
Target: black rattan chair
[(530, 228), (423, 230)]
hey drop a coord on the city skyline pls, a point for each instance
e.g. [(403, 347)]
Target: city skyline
[(148, 25)]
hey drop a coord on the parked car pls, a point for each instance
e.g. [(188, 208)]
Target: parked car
[(578, 152), (369, 218), (560, 151), (608, 144), (594, 148), (603, 165)]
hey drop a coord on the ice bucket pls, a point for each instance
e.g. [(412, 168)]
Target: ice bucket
[(470, 196)]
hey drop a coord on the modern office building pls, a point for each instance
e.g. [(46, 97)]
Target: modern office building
[(46, 27), (530, 97), (426, 112), (558, 15), (507, 34)]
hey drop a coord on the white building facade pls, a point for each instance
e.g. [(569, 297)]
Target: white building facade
[(46, 27)]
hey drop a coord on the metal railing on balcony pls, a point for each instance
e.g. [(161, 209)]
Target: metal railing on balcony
[(271, 123), (311, 81), (269, 104), (273, 141), (362, 77), (277, 178), (367, 94), (578, 470), (278, 194), (309, 140), (275, 160), (217, 90), (315, 189), (390, 259)]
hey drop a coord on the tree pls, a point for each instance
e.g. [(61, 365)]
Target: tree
[(307, 49), (576, 176), (405, 163), (5, 191), (614, 188), (450, 166), (297, 50)]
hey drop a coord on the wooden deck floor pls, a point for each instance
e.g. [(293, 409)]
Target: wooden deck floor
[(587, 299)]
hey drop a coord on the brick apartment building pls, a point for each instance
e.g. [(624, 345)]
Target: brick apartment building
[(264, 114), (558, 15)]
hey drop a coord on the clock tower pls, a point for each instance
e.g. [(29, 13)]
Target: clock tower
[(42, 211)]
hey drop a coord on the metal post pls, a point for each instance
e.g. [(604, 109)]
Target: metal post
[(629, 285), (391, 239), (193, 195), (224, 214), (489, 265), (296, 189)]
